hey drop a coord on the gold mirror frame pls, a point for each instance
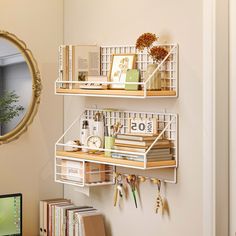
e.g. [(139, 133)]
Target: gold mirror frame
[(36, 88)]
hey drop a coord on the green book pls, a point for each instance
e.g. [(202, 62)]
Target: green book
[(132, 75)]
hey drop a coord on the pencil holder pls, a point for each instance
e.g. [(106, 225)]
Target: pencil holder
[(109, 144)]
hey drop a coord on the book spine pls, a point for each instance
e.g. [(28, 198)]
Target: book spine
[(60, 63)]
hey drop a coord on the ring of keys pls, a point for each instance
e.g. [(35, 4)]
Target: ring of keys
[(119, 191)]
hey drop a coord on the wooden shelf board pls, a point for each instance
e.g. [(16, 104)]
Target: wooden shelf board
[(99, 157), (116, 92)]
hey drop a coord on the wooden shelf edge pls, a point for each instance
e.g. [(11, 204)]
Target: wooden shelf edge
[(112, 161), (140, 93)]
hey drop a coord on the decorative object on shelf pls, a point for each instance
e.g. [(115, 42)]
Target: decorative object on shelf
[(132, 75), (116, 128), (69, 144), (94, 83), (142, 126), (120, 64), (98, 126), (157, 53), (109, 144), (84, 134), (20, 98), (131, 180), (94, 142)]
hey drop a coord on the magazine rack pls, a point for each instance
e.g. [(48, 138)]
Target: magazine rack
[(167, 128), (167, 69)]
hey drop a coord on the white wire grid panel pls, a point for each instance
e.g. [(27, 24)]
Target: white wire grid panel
[(168, 67), (167, 127), (74, 172)]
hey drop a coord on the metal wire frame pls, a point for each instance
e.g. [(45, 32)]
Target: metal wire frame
[(167, 127), (168, 68)]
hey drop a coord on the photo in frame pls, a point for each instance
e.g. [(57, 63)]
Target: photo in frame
[(120, 64)]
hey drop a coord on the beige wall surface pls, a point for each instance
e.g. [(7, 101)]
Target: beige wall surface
[(232, 118), (110, 22), (26, 165)]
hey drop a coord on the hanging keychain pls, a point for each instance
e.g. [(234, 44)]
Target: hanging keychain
[(118, 188), (131, 180), (159, 200)]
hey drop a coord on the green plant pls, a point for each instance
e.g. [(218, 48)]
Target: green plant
[(8, 107)]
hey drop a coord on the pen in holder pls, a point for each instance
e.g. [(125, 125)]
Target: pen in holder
[(109, 144)]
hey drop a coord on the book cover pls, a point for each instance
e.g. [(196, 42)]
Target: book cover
[(132, 75)]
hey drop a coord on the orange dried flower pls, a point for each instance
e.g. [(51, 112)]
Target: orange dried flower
[(145, 41), (158, 53)]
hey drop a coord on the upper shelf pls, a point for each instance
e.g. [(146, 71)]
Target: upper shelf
[(166, 71)]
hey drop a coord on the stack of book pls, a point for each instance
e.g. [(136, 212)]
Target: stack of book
[(161, 151), (60, 217)]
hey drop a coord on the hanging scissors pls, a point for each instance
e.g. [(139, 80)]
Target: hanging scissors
[(132, 181)]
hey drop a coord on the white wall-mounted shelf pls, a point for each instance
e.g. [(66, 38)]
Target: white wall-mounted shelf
[(168, 70), (167, 128)]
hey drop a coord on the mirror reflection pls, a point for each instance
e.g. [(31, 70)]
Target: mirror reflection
[(15, 86)]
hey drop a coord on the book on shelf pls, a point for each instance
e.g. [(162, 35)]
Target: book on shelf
[(61, 217), (77, 62), (133, 157), (136, 137), (44, 211), (162, 143), (64, 65), (143, 150)]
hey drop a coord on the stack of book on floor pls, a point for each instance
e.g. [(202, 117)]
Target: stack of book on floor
[(161, 151), (60, 217)]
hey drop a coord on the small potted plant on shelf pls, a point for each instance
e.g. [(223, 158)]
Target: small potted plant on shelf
[(157, 53)]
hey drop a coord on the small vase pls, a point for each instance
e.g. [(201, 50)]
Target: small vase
[(155, 82)]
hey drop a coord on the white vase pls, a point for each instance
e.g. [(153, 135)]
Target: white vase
[(155, 81)]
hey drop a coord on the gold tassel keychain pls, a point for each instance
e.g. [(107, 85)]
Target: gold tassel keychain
[(159, 200)]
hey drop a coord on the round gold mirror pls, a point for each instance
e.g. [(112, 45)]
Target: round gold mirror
[(20, 87)]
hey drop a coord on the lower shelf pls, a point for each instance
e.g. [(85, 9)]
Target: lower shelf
[(125, 93), (100, 158)]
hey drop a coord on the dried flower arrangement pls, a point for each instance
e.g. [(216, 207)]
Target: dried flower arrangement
[(147, 40)]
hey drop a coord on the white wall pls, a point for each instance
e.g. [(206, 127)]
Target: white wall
[(112, 22), (232, 118), (27, 164)]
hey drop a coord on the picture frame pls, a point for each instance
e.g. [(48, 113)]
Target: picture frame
[(119, 66)]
